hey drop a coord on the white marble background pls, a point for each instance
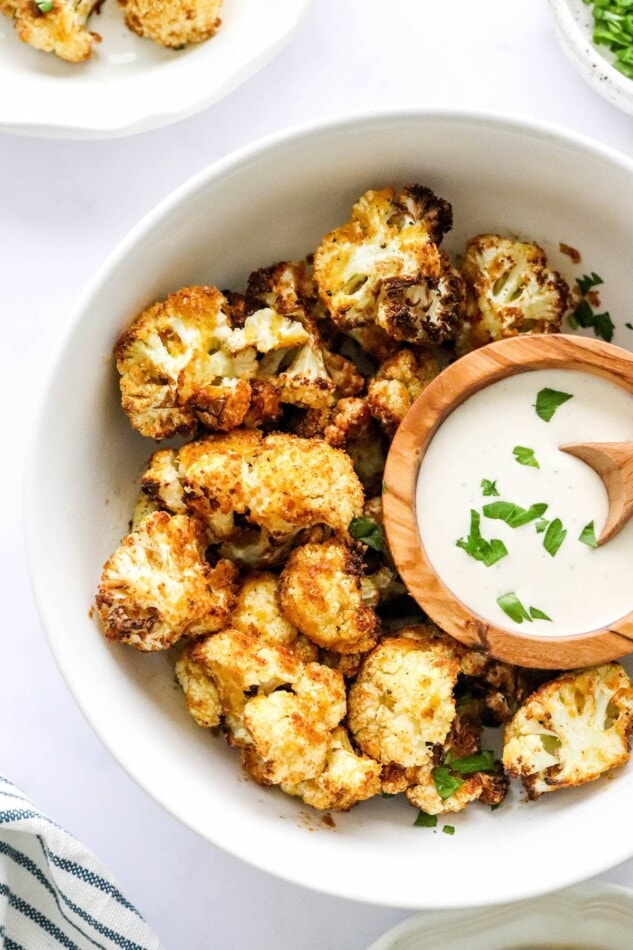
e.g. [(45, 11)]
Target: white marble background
[(63, 207)]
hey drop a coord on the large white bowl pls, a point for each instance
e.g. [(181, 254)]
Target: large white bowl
[(268, 202), (132, 84)]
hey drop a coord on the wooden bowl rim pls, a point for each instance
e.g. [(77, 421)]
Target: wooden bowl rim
[(446, 392)]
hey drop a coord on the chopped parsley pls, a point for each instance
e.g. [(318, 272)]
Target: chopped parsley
[(512, 606), (548, 401), (601, 323), (587, 281), (513, 515), (488, 488), (588, 535), (629, 326), (541, 525), (537, 614), (612, 28), (525, 456), (464, 700), (388, 794), (368, 531), (488, 552), (45, 6), (554, 536), (448, 829), (483, 761), (425, 821), (445, 783)]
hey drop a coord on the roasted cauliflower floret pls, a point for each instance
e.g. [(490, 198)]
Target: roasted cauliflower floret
[(383, 267), (498, 686), (157, 586), (60, 30), (298, 483), (162, 484), (201, 694), (398, 383), (279, 710), (348, 778), (142, 509), (510, 290), (320, 593), (571, 730), (287, 287), (402, 702), (489, 788), (258, 611), (173, 23)]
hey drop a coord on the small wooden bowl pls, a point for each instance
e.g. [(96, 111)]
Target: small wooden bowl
[(451, 388)]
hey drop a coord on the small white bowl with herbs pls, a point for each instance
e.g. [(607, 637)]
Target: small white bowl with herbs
[(597, 37)]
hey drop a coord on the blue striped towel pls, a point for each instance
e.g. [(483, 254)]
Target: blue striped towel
[(53, 893)]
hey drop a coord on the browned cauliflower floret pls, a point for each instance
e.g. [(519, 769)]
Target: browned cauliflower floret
[(286, 287), (398, 383), (258, 611), (279, 710), (297, 483), (402, 702), (510, 290), (162, 483), (348, 777), (144, 506), (183, 362), (173, 23), (500, 687), (489, 788), (201, 695), (383, 267), (571, 730), (320, 592), (59, 28), (348, 663), (157, 586)]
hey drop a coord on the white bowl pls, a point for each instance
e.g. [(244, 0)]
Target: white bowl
[(132, 84), (268, 202), (574, 27), (591, 916)]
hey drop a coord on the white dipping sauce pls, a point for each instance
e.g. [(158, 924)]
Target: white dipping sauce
[(580, 588)]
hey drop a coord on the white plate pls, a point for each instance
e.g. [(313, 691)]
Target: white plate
[(574, 26), (132, 84), (268, 202), (589, 917)]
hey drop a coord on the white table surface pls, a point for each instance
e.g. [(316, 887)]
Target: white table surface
[(63, 207)]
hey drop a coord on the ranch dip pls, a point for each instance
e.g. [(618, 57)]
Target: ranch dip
[(493, 443)]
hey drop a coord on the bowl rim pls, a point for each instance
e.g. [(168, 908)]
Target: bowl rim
[(36, 563), (455, 385), (588, 60)]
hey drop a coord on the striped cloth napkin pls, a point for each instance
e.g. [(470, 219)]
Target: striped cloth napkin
[(53, 893)]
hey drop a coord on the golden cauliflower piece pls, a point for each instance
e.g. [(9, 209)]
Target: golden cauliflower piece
[(348, 778), (402, 702), (258, 611), (510, 290), (383, 267), (201, 695), (571, 730), (298, 483), (183, 362), (157, 586), (287, 287), (60, 30), (489, 788), (320, 593), (398, 383), (173, 23), (279, 710)]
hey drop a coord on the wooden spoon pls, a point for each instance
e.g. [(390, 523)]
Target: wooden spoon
[(613, 461)]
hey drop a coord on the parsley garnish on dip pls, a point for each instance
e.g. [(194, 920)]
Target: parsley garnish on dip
[(519, 548)]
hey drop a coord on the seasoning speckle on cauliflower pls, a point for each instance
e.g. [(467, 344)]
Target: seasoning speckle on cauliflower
[(201, 695), (510, 290), (60, 30), (347, 778), (173, 23), (402, 702), (157, 586), (398, 383), (571, 730), (383, 267), (321, 593)]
